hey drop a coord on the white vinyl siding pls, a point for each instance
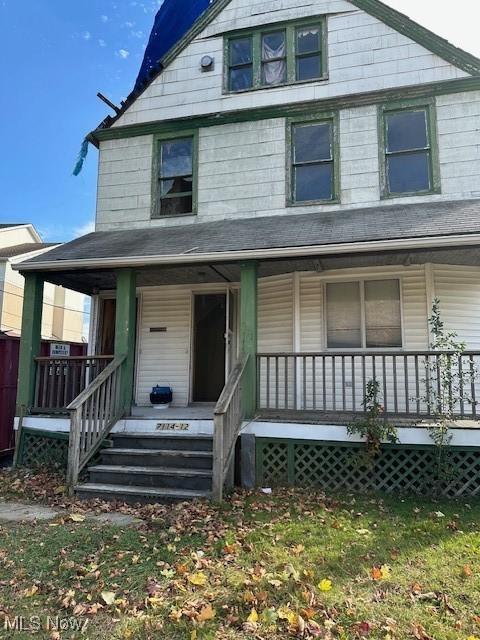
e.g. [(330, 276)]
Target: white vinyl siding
[(164, 357)]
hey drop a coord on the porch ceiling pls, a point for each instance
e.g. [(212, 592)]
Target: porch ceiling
[(92, 280)]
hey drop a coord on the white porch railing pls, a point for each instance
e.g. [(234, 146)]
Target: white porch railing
[(92, 416), (228, 418), (333, 382)]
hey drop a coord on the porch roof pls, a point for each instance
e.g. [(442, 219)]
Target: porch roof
[(441, 232), (192, 242)]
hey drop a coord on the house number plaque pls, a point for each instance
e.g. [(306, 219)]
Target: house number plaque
[(172, 426)]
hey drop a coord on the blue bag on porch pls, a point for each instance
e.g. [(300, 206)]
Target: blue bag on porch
[(161, 395)]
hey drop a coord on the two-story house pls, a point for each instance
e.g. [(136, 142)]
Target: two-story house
[(280, 200)]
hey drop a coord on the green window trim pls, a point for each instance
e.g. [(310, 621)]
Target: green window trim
[(292, 55), (156, 191), (321, 118), (429, 105)]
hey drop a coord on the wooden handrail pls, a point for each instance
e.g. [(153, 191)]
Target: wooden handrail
[(93, 414), (227, 420), (366, 352), (96, 384), (71, 358)]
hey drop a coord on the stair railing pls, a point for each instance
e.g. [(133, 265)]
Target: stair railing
[(92, 416), (228, 418)]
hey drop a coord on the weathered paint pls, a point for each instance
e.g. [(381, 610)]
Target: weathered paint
[(126, 310), (249, 333), (30, 341)]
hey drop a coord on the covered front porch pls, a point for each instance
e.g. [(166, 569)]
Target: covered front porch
[(279, 341)]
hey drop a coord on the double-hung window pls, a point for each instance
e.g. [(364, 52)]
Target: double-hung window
[(314, 165), (365, 314), (175, 177), (408, 142), (276, 55)]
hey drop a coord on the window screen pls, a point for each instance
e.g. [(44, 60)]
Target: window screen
[(344, 315), (382, 314)]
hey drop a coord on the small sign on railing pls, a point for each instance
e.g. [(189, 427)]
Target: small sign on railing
[(59, 349)]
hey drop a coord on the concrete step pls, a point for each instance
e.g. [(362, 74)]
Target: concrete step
[(162, 441), (156, 458), (165, 477), (133, 494)]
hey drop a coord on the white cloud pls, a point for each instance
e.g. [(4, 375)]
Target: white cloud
[(137, 34), (104, 18), (129, 24), (123, 53), (86, 35), (82, 230), (102, 43)]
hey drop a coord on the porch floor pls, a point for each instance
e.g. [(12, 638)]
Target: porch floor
[(192, 412)]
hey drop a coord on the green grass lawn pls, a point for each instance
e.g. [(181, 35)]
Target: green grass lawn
[(294, 564)]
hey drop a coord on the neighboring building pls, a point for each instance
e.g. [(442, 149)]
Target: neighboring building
[(280, 201), (63, 309)]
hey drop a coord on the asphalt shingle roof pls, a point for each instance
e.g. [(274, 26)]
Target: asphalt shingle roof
[(387, 222), (27, 247)]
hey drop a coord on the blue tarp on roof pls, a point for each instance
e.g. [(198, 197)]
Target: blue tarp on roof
[(173, 20)]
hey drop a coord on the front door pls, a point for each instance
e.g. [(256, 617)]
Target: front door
[(209, 328)]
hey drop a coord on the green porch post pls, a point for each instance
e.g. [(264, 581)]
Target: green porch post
[(248, 334), (125, 321), (30, 340)]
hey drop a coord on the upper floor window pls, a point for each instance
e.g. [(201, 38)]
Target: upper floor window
[(364, 314), (409, 151), (314, 165), (175, 177), (275, 56)]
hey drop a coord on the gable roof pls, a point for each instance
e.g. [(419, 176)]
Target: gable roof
[(10, 225), (150, 70)]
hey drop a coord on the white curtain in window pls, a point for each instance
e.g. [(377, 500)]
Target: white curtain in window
[(273, 72)]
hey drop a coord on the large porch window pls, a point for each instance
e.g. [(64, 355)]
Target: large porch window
[(365, 314)]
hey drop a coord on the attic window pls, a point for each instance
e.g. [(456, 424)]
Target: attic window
[(276, 55), (175, 180)]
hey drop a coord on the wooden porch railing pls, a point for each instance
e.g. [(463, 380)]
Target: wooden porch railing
[(60, 380), (336, 382), (228, 418), (92, 416)]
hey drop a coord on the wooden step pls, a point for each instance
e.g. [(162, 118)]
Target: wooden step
[(165, 477), (134, 494), (157, 458), (200, 442)]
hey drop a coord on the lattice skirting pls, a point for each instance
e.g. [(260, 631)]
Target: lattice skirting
[(336, 466), (42, 448)]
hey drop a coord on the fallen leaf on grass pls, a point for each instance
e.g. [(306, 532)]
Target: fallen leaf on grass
[(197, 579), (108, 597), (206, 613), (419, 632), (381, 573), (325, 585), (253, 617), (77, 517), (28, 593), (467, 571)]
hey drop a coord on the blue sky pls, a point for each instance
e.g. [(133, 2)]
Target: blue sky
[(54, 57)]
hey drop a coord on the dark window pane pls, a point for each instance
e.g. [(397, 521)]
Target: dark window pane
[(174, 206), (273, 45), (274, 72), (309, 67), (241, 79), (407, 130), (314, 182), (176, 158), (240, 51), (343, 315), (175, 185), (308, 39), (409, 172), (382, 313), (312, 142)]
